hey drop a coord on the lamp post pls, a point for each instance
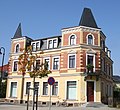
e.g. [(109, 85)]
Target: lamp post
[(2, 53)]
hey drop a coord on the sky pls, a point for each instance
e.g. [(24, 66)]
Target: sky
[(46, 18)]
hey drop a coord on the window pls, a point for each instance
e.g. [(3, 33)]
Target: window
[(45, 88), (28, 84), (55, 63), (55, 43), (48, 63), (15, 66), (13, 91), (55, 89), (71, 90), (37, 46), (72, 40), (36, 86), (90, 63), (17, 48), (90, 59), (50, 44), (90, 39), (37, 64), (71, 61), (33, 47)]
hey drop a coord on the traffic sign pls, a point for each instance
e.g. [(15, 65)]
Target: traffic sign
[(51, 80)]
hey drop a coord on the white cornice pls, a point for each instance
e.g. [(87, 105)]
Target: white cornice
[(80, 28)]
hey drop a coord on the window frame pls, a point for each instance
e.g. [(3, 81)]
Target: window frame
[(18, 50), (13, 67), (47, 58), (55, 89), (58, 62), (71, 54), (45, 89), (92, 39), (10, 91), (94, 64), (71, 39), (52, 43), (66, 89)]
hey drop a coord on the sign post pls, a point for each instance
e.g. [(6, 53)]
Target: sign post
[(51, 81)]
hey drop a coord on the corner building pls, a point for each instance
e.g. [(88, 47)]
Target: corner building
[(79, 60)]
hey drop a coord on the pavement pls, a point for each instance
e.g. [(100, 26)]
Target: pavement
[(10, 106)]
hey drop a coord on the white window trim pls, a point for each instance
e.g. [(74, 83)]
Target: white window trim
[(94, 90), (9, 92), (15, 48), (49, 61), (13, 66), (52, 42), (66, 89), (42, 89), (53, 62), (92, 37), (93, 60), (25, 88), (58, 89), (70, 54), (35, 44), (70, 37)]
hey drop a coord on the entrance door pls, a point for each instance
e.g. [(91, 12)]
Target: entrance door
[(90, 91)]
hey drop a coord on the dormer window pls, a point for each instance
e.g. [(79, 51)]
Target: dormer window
[(72, 40), (52, 43), (90, 39), (17, 48), (55, 43), (33, 47), (37, 46)]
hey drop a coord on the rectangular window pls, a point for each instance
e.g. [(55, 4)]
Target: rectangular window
[(15, 66), (45, 88), (50, 44), (37, 64), (13, 91), (33, 47), (55, 89), (36, 86), (71, 90), (48, 63), (55, 43), (55, 63), (72, 61), (28, 84), (38, 46)]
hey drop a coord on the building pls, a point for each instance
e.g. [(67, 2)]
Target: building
[(5, 71), (79, 60)]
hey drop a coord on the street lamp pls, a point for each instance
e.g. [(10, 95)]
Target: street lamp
[(2, 48)]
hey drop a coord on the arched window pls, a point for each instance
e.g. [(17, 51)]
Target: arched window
[(90, 39), (72, 40), (17, 48)]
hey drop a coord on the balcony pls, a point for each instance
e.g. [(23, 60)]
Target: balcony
[(90, 73)]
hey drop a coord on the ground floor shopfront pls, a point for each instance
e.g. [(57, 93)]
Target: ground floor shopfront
[(66, 89)]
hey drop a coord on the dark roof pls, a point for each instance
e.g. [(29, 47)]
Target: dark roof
[(18, 32), (87, 19), (116, 79)]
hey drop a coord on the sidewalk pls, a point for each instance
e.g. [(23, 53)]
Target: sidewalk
[(8, 106)]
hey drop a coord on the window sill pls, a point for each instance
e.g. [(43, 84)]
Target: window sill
[(13, 97), (44, 95)]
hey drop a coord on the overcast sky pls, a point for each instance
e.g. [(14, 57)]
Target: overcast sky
[(46, 18)]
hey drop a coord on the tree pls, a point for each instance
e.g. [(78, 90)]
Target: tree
[(26, 61)]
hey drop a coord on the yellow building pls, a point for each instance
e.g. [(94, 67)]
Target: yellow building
[(79, 60)]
